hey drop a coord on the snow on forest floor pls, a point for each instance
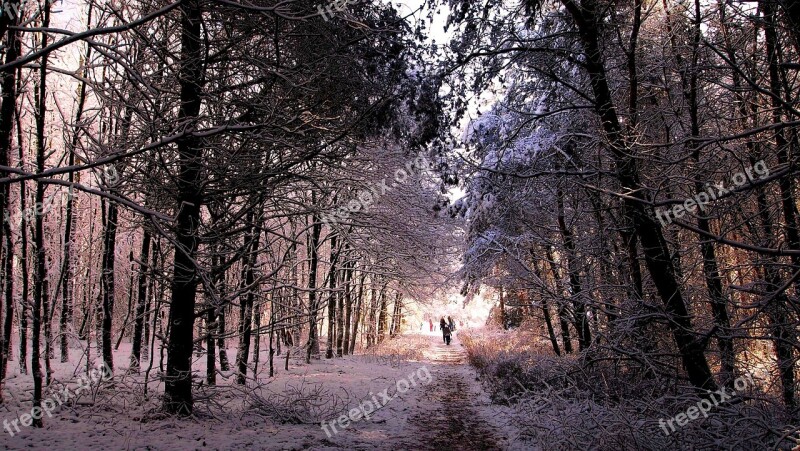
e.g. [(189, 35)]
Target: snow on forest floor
[(442, 406)]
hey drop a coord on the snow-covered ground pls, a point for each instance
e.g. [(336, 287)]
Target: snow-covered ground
[(426, 394)]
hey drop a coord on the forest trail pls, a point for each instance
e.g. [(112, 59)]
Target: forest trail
[(450, 412), (452, 419)]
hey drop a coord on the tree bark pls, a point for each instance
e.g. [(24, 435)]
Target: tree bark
[(372, 313), (691, 91), (69, 231), (503, 322), (271, 336), (247, 301), (109, 248), (581, 318), (357, 312), (39, 290), (781, 331), (7, 110), (141, 302), (257, 338), (657, 257), (224, 365), (348, 307), (396, 311), (546, 313), (561, 308), (382, 315), (178, 385), (312, 347), (212, 323), (332, 298), (150, 327)]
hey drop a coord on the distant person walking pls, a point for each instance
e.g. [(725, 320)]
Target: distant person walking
[(446, 334), (431, 322)]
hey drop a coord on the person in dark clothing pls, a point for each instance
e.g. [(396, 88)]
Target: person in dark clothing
[(446, 334), (451, 323), (442, 323)]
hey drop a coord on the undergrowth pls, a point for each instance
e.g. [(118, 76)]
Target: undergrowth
[(590, 400)]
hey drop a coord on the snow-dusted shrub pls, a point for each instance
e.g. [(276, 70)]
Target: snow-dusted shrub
[(396, 351), (301, 403), (513, 363), (589, 401), (554, 420)]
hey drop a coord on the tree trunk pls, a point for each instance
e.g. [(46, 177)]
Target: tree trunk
[(129, 310), (394, 329), (212, 325), (178, 385), (372, 313), (713, 280), (581, 319), (332, 297), (348, 306), (40, 300), (224, 365), (109, 248), (7, 110), (24, 299), (69, 230), (776, 308), (157, 265), (563, 318), (546, 313), (785, 339), (312, 347), (271, 335), (257, 340), (68, 276), (503, 322), (8, 314), (382, 316), (141, 302), (247, 301), (340, 322), (657, 256), (357, 312)]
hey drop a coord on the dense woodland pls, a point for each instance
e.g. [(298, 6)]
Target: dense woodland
[(606, 116), (200, 178), (187, 158), (611, 114)]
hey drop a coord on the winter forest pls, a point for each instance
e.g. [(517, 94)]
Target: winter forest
[(417, 225)]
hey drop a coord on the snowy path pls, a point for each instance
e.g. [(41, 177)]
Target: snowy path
[(450, 413), (446, 410), (453, 419)]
